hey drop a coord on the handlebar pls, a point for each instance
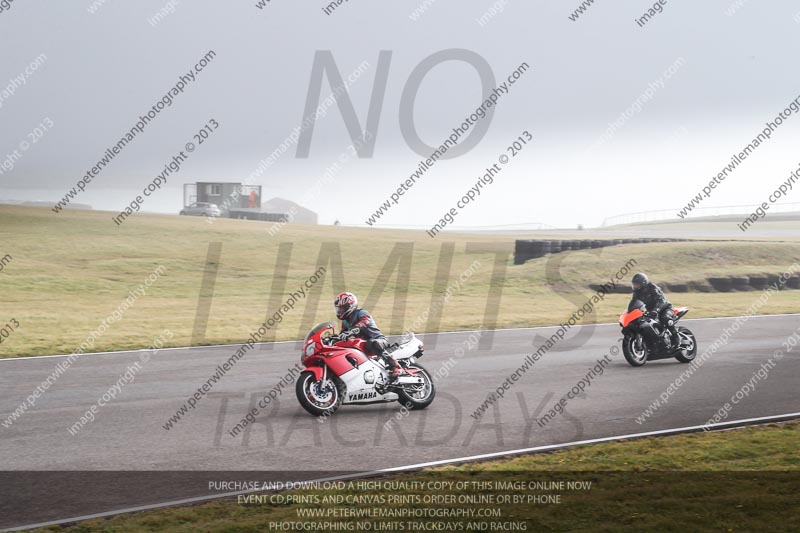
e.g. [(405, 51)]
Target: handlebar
[(329, 341), (333, 339), (344, 335)]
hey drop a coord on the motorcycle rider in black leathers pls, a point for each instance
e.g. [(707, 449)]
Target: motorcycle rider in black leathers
[(657, 304)]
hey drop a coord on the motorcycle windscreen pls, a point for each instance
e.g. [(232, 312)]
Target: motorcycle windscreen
[(320, 328), (635, 304)]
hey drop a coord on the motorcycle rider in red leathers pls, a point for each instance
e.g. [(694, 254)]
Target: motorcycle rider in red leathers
[(359, 323)]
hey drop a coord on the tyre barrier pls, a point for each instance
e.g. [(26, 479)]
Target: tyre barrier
[(527, 249), (721, 284), (521, 252), (756, 282), (741, 283), (619, 289), (678, 287), (700, 286)]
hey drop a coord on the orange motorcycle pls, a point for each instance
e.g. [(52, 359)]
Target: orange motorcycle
[(645, 338)]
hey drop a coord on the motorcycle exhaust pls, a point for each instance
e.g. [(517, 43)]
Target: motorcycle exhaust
[(409, 380)]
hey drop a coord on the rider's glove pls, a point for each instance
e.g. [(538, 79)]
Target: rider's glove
[(351, 333)]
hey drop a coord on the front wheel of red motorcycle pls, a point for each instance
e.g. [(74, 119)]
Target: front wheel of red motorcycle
[(316, 397)]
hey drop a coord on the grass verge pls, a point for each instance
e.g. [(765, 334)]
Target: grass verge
[(745, 479), (70, 272)]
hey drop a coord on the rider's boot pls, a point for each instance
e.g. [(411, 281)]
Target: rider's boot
[(676, 341), (391, 368)]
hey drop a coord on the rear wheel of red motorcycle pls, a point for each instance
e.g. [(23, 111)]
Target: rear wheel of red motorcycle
[(317, 398), (423, 396), (690, 342), (634, 350)]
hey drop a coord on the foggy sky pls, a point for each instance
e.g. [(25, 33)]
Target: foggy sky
[(104, 69)]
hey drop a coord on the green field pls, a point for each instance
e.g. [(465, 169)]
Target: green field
[(70, 271), (749, 482)]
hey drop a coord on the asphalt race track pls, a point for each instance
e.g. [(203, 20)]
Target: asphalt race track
[(286, 443)]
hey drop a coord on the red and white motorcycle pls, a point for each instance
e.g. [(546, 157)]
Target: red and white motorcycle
[(338, 371)]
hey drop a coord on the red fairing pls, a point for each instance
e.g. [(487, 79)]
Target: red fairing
[(335, 357), (337, 361), (356, 343), (317, 370), (627, 318)]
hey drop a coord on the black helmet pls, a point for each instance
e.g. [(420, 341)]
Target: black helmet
[(639, 279)]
